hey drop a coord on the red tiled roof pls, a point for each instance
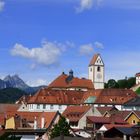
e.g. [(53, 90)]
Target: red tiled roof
[(122, 114), (30, 117), (60, 82), (47, 96), (115, 96), (109, 126), (106, 120), (127, 115), (8, 107), (24, 98), (90, 93), (95, 119), (102, 110), (75, 113), (93, 60)]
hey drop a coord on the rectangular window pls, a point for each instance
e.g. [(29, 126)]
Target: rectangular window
[(38, 106), (51, 106), (44, 106), (60, 106), (98, 69), (91, 69)]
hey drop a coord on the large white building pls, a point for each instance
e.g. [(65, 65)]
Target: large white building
[(96, 72), (137, 78)]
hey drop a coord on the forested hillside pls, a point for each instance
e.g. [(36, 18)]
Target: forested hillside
[(10, 95)]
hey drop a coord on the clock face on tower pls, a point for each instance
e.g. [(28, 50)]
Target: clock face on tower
[(99, 75)]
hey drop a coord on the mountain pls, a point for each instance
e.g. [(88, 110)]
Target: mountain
[(16, 82), (10, 95), (2, 84)]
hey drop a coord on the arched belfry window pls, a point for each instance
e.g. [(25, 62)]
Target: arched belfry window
[(98, 68)]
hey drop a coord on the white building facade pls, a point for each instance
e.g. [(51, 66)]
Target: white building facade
[(46, 107), (96, 72), (137, 78)]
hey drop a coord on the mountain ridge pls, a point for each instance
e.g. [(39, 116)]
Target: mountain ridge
[(15, 81)]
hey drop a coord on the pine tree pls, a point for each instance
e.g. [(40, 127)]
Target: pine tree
[(61, 128)]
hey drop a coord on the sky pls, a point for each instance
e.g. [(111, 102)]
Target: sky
[(39, 39)]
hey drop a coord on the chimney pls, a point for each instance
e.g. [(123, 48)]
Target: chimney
[(35, 123), (42, 122)]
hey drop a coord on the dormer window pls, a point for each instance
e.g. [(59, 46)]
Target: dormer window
[(98, 69)]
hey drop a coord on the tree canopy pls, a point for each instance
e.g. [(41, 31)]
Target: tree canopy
[(61, 128), (122, 83)]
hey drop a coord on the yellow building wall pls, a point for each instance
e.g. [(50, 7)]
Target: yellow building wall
[(133, 118), (10, 123)]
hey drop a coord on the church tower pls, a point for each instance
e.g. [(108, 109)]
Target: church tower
[(96, 71)]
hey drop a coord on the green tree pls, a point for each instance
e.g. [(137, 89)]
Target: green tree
[(131, 82), (123, 83), (5, 136), (138, 91), (62, 127), (112, 84), (106, 85)]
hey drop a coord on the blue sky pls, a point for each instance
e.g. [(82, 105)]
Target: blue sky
[(41, 38)]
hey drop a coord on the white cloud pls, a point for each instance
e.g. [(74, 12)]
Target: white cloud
[(46, 55), (2, 4), (84, 5), (121, 4), (98, 45), (88, 49), (38, 82), (87, 5)]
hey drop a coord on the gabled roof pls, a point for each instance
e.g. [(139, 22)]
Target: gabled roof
[(61, 82), (102, 110), (23, 99), (48, 96), (122, 114), (93, 60), (75, 113), (136, 113)]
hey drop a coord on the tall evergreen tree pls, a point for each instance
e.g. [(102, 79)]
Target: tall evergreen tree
[(61, 128)]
